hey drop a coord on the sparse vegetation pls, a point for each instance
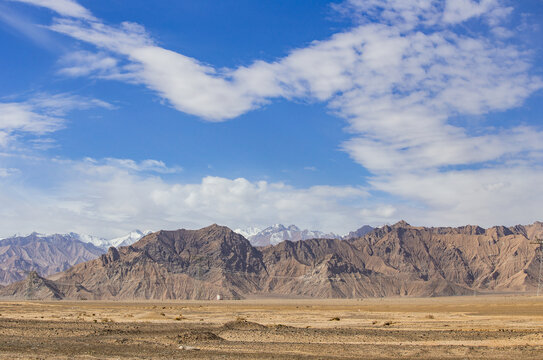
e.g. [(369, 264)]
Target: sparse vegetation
[(430, 316), (334, 319)]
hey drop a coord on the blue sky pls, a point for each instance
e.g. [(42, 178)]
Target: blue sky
[(117, 115)]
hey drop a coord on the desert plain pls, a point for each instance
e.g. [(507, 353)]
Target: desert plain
[(461, 327)]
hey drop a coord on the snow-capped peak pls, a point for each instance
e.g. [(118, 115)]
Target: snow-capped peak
[(277, 233), (248, 232), (94, 240), (105, 244)]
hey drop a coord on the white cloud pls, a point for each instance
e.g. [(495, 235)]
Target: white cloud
[(5, 172), (62, 7), (108, 198), (21, 117), (457, 11), (189, 85), (84, 63), (38, 34), (403, 13), (408, 14), (40, 115), (380, 212), (148, 165), (502, 195)]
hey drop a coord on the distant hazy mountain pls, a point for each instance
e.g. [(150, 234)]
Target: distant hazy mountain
[(45, 254), (49, 254), (248, 232), (128, 239), (105, 244), (358, 233), (277, 233)]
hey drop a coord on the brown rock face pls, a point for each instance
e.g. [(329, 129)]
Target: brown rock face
[(180, 264), (34, 288), (397, 260)]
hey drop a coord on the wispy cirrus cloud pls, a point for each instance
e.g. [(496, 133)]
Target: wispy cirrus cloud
[(148, 165), (40, 114), (67, 8), (85, 63)]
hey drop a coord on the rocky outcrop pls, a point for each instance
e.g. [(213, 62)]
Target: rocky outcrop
[(178, 264), (34, 287), (396, 260)]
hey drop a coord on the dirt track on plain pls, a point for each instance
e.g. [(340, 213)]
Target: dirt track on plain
[(487, 327)]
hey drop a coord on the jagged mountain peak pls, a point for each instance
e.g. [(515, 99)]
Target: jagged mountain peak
[(248, 231), (127, 239), (209, 239), (401, 224)]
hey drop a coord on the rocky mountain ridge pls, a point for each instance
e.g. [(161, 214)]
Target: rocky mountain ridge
[(396, 260)]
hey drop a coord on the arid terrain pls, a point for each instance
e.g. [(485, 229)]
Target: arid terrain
[(482, 327)]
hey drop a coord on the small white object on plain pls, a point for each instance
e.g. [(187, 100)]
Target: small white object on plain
[(185, 347)]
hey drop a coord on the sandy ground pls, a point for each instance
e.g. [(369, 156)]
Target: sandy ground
[(486, 327)]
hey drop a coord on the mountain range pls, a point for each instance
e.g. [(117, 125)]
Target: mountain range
[(397, 260), (49, 254), (277, 233), (44, 254)]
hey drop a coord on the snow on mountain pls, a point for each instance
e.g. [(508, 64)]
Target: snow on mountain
[(99, 242), (248, 232), (46, 254), (277, 233), (91, 239), (128, 239)]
